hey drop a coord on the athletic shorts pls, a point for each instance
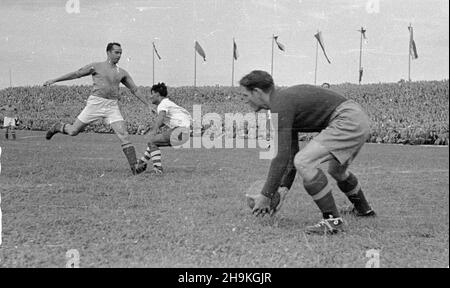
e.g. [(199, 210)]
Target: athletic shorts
[(9, 122), (100, 108), (346, 133)]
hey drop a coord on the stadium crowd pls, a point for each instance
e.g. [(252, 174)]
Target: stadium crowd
[(403, 113)]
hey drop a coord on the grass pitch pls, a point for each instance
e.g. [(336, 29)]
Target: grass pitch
[(78, 193)]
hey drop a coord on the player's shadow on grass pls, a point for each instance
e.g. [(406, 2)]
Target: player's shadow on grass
[(180, 169), (281, 222), (289, 223)]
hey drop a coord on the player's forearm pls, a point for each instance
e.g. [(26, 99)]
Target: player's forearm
[(276, 172), (158, 124), (69, 76), (288, 177), (291, 171)]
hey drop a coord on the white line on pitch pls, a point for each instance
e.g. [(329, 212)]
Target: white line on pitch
[(26, 137), (407, 172)]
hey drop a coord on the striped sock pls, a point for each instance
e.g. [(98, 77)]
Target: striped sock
[(353, 191), (130, 153), (153, 153), (146, 156), (320, 191), (61, 128)]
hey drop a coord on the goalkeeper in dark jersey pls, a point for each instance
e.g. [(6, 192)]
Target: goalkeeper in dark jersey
[(343, 127)]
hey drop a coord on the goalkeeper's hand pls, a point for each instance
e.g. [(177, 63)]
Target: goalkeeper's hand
[(262, 206)]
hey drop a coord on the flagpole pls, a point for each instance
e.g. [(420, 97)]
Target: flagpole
[(195, 68), (409, 54), (232, 66), (317, 54), (153, 63), (273, 43), (360, 56)]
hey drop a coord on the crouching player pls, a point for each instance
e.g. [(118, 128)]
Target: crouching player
[(11, 120), (343, 127), (177, 121)]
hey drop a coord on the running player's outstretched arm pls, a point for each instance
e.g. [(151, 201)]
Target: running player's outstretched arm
[(82, 72)]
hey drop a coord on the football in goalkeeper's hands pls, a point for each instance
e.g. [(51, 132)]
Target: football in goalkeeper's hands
[(255, 191), (273, 202)]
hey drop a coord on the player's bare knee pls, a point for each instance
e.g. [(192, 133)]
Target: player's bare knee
[(298, 161), (302, 164), (124, 137)]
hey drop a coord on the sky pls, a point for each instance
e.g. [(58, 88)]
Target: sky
[(41, 40)]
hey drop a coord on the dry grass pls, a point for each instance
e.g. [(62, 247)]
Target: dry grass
[(77, 193)]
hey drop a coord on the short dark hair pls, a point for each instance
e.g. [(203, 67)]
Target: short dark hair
[(110, 46), (160, 88), (258, 79)]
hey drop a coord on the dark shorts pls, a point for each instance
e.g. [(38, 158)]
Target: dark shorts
[(173, 137), (346, 133)]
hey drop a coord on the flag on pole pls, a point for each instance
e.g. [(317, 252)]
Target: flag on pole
[(280, 46), (412, 44), (321, 43), (200, 50), (235, 51), (361, 71), (363, 31), (156, 51)]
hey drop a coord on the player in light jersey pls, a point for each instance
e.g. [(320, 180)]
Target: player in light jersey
[(103, 101), (10, 121), (175, 118), (343, 127)]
